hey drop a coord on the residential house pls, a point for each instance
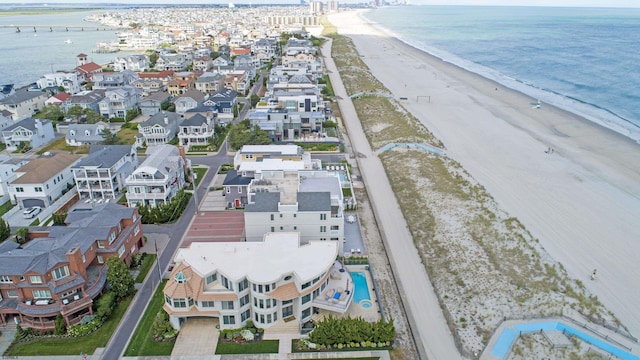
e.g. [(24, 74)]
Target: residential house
[(148, 86), (235, 189), (61, 270), (7, 90), (6, 120), (57, 99), (23, 104), (164, 76), (241, 282), (202, 63), (209, 82), (245, 60), (264, 49), (158, 179), (137, 62), (237, 81), (102, 174), (188, 100), (181, 83), (43, 180), (223, 102), (89, 100), (173, 62), (34, 132), (117, 102), (240, 51), (69, 80), (84, 134), (88, 70), (152, 104), (8, 167), (196, 130), (110, 80), (159, 128), (221, 60), (224, 50)]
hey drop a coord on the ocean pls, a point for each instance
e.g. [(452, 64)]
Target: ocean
[(25, 56), (583, 60)]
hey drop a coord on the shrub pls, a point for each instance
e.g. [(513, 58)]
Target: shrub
[(104, 305), (61, 326), (86, 329)]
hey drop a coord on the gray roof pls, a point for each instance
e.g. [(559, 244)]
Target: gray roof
[(28, 123), (235, 179), (158, 119), (78, 132), (195, 120), (314, 201), (40, 255), (264, 202), (21, 96), (104, 156)]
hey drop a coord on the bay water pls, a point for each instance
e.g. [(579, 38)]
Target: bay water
[(584, 60)]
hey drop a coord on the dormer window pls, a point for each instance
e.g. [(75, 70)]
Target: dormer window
[(60, 272), (180, 278), (112, 237)]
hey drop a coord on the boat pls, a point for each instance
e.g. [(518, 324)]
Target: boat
[(68, 41)]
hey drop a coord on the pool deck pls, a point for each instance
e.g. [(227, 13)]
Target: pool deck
[(600, 333)]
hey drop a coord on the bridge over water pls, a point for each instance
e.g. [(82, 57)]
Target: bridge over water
[(51, 28)]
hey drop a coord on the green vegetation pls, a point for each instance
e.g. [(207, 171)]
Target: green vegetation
[(4, 208), (200, 171), (318, 146), (349, 333), (260, 347), (73, 346), (5, 230), (142, 343), (61, 145), (242, 134), (165, 213), (146, 262), (119, 277)]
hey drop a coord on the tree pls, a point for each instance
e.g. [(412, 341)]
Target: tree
[(51, 112), (109, 137), (61, 326), (75, 111), (254, 100), (131, 114), (119, 277), (21, 235), (93, 117), (5, 230)]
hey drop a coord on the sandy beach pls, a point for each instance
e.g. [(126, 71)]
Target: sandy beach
[(581, 201)]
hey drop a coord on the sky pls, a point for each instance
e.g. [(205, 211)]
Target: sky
[(579, 3)]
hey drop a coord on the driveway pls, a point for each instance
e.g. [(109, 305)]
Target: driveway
[(197, 337)]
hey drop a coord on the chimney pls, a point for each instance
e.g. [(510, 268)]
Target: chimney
[(166, 120)]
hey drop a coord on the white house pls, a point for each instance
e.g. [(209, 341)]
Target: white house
[(269, 282), (32, 131), (196, 130), (43, 180), (158, 179), (102, 174), (8, 167), (69, 80), (136, 62), (159, 128), (23, 104), (84, 134), (117, 102)]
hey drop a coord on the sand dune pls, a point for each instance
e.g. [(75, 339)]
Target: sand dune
[(582, 201)]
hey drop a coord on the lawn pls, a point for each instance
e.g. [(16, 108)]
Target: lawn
[(260, 347), (74, 346), (4, 208), (142, 343), (147, 263), (61, 145), (127, 136), (201, 171)]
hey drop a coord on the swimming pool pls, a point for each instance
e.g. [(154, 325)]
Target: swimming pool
[(508, 336), (361, 291)]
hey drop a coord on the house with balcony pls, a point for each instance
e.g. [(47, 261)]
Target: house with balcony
[(209, 82), (159, 128), (84, 134), (102, 174), (149, 86), (117, 102), (89, 100), (158, 179), (43, 180), (57, 99), (111, 80), (188, 100), (69, 80), (88, 70), (136, 62), (172, 62), (33, 132), (152, 103), (196, 130), (23, 104), (238, 81), (240, 282), (181, 83), (202, 63), (223, 102), (8, 167), (61, 270), (307, 201)]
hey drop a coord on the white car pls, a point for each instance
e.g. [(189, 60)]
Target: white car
[(351, 219), (30, 213)]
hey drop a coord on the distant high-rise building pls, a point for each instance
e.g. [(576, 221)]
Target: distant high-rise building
[(315, 7), (332, 6), (303, 2)]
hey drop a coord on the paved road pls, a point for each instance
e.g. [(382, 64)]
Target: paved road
[(429, 328), (120, 339)]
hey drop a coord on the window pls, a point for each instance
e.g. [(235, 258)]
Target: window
[(242, 285), (121, 251), (5, 279), (60, 272), (19, 189), (41, 294), (211, 278), (227, 305), (136, 230), (323, 216), (306, 313), (100, 259), (244, 300), (35, 279), (306, 285), (335, 227), (208, 304), (229, 319), (306, 299), (272, 217), (179, 303), (245, 315), (226, 283), (323, 229), (38, 189), (167, 299), (112, 237), (273, 229), (12, 293)]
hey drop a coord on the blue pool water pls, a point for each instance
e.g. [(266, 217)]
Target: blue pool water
[(508, 335), (361, 291)]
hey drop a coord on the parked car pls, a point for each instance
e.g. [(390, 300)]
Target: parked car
[(30, 213)]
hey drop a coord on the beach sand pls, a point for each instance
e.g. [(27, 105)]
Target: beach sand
[(582, 201)]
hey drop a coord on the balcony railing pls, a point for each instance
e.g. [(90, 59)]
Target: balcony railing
[(144, 196)]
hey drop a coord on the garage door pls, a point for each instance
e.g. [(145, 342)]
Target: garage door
[(32, 202)]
